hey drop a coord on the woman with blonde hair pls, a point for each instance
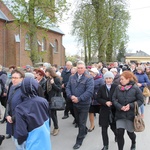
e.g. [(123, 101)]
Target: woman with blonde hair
[(123, 99)]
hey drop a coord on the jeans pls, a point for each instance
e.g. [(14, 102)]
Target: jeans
[(81, 115), (142, 109), (19, 147)]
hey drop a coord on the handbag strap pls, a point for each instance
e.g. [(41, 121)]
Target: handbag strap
[(136, 109)]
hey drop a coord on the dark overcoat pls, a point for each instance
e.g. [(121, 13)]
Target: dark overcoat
[(102, 97)]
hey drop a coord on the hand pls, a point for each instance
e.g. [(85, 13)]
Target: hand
[(62, 86), (74, 99), (5, 94), (126, 108), (139, 84), (9, 119), (123, 108), (52, 81), (108, 103)]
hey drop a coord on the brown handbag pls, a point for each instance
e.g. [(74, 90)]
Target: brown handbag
[(139, 124), (146, 91)]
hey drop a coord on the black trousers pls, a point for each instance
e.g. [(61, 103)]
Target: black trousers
[(120, 138), (67, 108), (54, 118), (105, 133), (81, 115), (3, 101)]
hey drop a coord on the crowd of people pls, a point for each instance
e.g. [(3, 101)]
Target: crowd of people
[(109, 91)]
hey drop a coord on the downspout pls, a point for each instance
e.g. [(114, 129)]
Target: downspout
[(4, 46), (20, 48)]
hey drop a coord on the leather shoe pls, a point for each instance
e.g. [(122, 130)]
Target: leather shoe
[(115, 139), (133, 146), (91, 129), (2, 137), (8, 136), (76, 146), (65, 117), (2, 121), (105, 148), (74, 121), (76, 125)]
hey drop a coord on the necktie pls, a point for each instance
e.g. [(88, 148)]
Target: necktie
[(79, 77)]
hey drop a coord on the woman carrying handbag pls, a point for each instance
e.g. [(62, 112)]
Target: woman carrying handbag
[(123, 99), (53, 88)]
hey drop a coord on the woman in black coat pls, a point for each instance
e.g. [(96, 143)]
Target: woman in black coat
[(123, 99), (53, 88), (107, 110)]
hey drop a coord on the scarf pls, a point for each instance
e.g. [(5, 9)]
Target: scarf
[(127, 86)]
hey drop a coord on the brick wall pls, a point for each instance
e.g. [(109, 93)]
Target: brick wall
[(6, 11), (16, 53), (13, 53), (1, 43)]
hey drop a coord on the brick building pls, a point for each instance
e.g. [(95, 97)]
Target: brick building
[(14, 48)]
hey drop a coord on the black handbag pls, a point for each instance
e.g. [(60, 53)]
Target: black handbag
[(58, 103)]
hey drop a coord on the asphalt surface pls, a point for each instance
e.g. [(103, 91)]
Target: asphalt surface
[(93, 141)]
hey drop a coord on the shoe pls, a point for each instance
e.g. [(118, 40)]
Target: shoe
[(91, 129), (2, 121), (76, 125), (52, 131), (74, 121), (55, 132), (65, 117), (105, 148), (2, 137), (133, 146), (76, 146), (116, 139), (8, 136)]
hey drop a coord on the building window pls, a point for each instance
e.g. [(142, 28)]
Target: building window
[(27, 42), (56, 46), (17, 38), (43, 44)]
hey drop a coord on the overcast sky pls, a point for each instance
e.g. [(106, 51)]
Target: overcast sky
[(139, 26), (138, 31)]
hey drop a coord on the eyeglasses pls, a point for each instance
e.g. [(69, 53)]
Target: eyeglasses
[(15, 78)]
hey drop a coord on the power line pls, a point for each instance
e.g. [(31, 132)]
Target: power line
[(140, 8)]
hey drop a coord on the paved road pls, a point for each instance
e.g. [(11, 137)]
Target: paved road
[(66, 138)]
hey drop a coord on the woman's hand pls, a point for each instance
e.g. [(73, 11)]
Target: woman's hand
[(9, 119), (108, 103), (126, 108), (139, 84), (52, 81)]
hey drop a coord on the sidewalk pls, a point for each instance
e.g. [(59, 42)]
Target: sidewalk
[(67, 136)]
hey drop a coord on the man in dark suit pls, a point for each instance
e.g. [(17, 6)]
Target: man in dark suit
[(80, 89)]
